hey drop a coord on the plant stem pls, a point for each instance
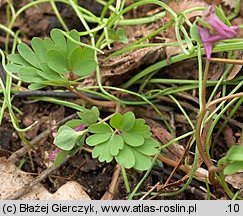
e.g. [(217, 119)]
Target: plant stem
[(227, 61), (204, 107), (110, 104), (124, 174), (201, 115)]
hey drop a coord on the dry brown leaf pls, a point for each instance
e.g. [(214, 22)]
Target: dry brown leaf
[(229, 136), (12, 179), (236, 69), (230, 3), (238, 21), (236, 180), (2, 2)]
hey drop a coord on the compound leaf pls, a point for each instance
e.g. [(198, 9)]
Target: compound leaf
[(79, 65), (13, 68), (74, 123), (48, 73), (49, 44), (89, 116), (141, 129)]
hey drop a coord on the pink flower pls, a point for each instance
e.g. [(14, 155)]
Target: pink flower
[(221, 31), (79, 128), (52, 156)]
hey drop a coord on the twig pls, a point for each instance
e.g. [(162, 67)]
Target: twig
[(24, 190), (179, 162), (109, 195)]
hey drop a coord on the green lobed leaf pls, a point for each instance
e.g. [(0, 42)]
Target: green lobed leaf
[(49, 74), (74, 123), (97, 139), (126, 157), (87, 53), (100, 128), (28, 55), (133, 139), (79, 65), (59, 40), (39, 48), (102, 151), (116, 144), (29, 74), (71, 45), (57, 62), (17, 59), (80, 141), (149, 147), (66, 138), (141, 129), (233, 167), (142, 162), (128, 121), (116, 120), (61, 156), (96, 112), (49, 44), (13, 68), (36, 86), (89, 116), (85, 67)]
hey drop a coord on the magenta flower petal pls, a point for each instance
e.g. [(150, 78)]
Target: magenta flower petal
[(221, 31), (79, 128), (220, 27), (52, 156), (205, 36)]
